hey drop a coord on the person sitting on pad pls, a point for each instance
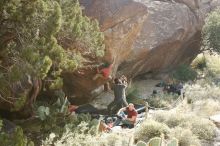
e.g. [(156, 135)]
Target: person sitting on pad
[(129, 119)]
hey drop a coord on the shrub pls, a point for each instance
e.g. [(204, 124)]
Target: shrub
[(80, 137), (199, 62), (211, 31), (160, 116), (134, 98), (114, 139), (184, 73), (213, 65), (203, 128), (170, 118), (149, 129), (198, 92), (175, 119), (162, 100), (185, 137), (14, 138), (54, 37), (206, 107)]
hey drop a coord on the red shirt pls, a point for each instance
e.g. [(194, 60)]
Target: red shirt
[(106, 71), (131, 113)]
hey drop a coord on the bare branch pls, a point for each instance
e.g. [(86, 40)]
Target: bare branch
[(5, 99)]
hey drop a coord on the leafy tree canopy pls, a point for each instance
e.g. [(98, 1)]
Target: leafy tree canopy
[(43, 38), (211, 31)]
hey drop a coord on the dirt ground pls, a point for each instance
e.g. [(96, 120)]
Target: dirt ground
[(143, 87), (146, 87)]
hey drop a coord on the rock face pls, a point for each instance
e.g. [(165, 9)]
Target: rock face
[(121, 21), (146, 35)]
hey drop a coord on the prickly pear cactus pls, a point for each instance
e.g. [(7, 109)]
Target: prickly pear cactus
[(156, 141), (173, 142), (141, 143)]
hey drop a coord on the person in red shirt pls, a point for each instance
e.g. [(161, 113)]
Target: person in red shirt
[(128, 120), (104, 72)]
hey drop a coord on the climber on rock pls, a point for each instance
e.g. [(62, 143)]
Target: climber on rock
[(103, 71)]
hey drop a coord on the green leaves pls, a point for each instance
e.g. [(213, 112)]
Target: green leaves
[(54, 21), (211, 31), (81, 29), (184, 73), (57, 84), (45, 66), (43, 39)]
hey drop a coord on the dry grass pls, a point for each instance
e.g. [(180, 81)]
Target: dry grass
[(185, 137), (149, 129), (213, 64), (197, 92), (206, 107)]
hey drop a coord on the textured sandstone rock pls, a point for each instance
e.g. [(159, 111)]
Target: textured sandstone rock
[(121, 21), (145, 35), (171, 35)]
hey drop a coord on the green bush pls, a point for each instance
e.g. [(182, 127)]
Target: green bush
[(162, 100), (160, 116), (170, 118), (17, 138), (206, 108), (185, 137), (197, 92), (51, 37), (199, 62), (80, 137), (149, 129), (213, 65), (175, 119), (203, 128), (211, 31), (184, 73), (133, 95), (62, 126)]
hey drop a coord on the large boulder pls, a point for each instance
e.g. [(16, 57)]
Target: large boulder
[(144, 36), (171, 35), (121, 21)]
